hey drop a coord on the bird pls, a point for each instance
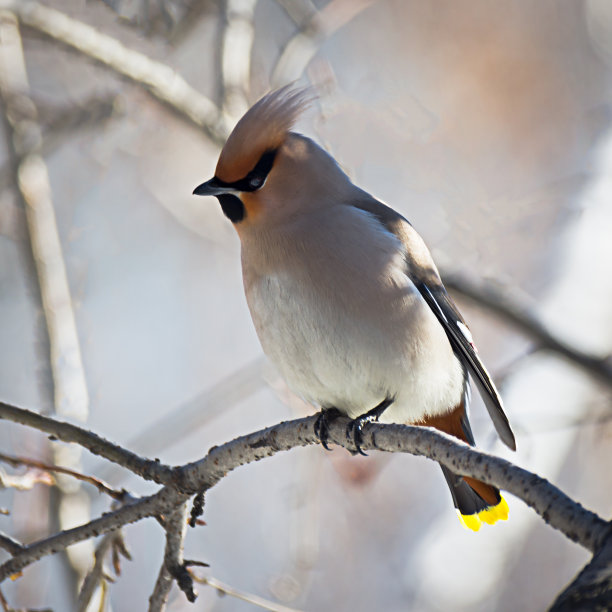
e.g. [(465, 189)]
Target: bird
[(344, 295)]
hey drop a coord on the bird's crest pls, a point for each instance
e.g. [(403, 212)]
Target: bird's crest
[(262, 128)]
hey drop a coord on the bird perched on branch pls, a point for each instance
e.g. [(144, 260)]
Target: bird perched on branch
[(345, 297)]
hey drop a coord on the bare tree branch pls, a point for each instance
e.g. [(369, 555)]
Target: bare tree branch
[(163, 501), (9, 544), (173, 565), (508, 305), (96, 573), (111, 544), (556, 508), (592, 588), (66, 432), (96, 482), (160, 80), (27, 480), (7, 608), (163, 584)]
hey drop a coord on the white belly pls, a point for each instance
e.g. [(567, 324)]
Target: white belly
[(336, 350)]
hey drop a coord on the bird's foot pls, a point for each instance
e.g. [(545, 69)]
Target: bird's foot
[(321, 426), (354, 430)]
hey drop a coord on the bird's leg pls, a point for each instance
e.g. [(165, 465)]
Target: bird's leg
[(321, 427), (354, 428)]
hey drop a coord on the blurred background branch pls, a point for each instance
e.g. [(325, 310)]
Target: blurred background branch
[(59, 125), (236, 51), (512, 307), (71, 397), (314, 28), (160, 80)]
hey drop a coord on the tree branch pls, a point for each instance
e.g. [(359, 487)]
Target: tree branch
[(9, 544), (556, 508), (96, 574), (173, 565), (592, 588), (163, 501), (66, 432), (96, 482)]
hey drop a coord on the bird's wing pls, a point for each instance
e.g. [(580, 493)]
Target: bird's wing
[(424, 274)]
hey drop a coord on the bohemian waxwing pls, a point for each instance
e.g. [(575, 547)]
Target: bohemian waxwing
[(345, 297)]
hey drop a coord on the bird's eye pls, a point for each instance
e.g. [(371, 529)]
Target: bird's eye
[(256, 182)]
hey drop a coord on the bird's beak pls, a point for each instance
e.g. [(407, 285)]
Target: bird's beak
[(212, 188)]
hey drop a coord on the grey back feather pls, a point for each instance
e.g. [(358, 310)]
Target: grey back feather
[(424, 274)]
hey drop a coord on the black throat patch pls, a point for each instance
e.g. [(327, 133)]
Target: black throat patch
[(232, 207)]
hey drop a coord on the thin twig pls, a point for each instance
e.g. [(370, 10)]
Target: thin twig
[(96, 575), (66, 432), (96, 482), (508, 305), (163, 82), (162, 502), (10, 544), (27, 480), (161, 591), (4, 603), (97, 578), (225, 589), (173, 565)]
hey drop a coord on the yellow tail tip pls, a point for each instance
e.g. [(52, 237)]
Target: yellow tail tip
[(489, 515)]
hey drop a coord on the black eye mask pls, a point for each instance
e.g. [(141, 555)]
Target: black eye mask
[(255, 178)]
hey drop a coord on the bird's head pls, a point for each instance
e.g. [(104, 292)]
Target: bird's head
[(265, 171)]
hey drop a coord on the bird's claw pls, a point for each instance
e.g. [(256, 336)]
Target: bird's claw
[(321, 426), (354, 431)]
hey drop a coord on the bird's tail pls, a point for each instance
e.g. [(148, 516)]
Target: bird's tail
[(476, 502)]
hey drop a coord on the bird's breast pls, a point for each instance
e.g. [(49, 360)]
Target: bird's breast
[(347, 328)]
